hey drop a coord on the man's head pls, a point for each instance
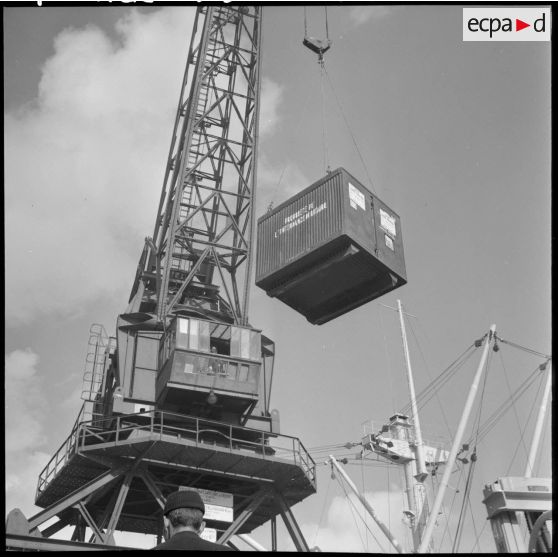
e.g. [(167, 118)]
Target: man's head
[(183, 511)]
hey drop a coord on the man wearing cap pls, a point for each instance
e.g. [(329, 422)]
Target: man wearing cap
[(183, 518)]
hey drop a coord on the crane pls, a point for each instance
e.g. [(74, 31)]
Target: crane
[(179, 397)]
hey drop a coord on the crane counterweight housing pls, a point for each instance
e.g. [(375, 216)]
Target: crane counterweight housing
[(330, 248)]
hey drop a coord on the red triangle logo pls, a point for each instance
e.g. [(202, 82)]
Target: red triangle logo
[(519, 25)]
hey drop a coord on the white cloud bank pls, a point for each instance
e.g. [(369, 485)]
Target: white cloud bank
[(343, 530), (84, 164), (24, 431)]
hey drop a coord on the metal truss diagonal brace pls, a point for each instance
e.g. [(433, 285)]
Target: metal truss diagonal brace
[(124, 488), (243, 516), (99, 537), (292, 525), (76, 496), (153, 488)]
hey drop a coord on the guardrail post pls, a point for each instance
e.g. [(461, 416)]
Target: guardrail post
[(117, 428)]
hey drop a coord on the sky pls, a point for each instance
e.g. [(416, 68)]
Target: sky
[(455, 137)]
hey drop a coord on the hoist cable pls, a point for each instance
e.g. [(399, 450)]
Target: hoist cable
[(295, 134), (324, 120), (350, 133), (326, 24)]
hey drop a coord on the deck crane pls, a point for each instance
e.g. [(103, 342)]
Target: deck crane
[(180, 396)]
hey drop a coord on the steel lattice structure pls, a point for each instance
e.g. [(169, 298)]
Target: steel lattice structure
[(119, 463), (199, 258)]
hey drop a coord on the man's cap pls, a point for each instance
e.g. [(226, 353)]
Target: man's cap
[(184, 499)]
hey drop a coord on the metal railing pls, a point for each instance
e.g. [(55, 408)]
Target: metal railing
[(62, 455), (202, 432)]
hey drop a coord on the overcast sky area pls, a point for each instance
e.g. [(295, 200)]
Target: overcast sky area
[(456, 139)]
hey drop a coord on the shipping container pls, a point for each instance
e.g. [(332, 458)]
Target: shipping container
[(330, 248)]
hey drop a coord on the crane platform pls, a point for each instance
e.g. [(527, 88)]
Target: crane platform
[(175, 451)]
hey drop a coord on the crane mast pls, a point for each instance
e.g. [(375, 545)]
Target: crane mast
[(199, 259)]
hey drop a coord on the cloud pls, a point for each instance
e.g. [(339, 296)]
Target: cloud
[(271, 99), (344, 531), (362, 14), (25, 408), (84, 164), (277, 182)]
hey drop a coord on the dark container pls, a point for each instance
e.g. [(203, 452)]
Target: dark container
[(330, 248)]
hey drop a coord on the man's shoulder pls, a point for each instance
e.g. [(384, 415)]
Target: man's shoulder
[(191, 541)]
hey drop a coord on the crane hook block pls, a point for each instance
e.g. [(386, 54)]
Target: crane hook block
[(318, 46)]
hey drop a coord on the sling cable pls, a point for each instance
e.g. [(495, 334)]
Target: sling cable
[(320, 47)]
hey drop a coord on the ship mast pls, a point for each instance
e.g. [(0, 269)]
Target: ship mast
[(456, 445), (415, 470)]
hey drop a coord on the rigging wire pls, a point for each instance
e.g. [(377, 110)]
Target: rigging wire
[(522, 441), (465, 503), (522, 432), (472, 517), (477, 540), (295, 134), (450, 511), (322, 513), (492, 420), (435, 385), (444, 417), (546, 433), (526, 349), (473, 460), (353, 507), (364, 492), (350, 132), (390, 373)]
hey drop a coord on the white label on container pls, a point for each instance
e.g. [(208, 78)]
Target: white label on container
[(387, 222), (209, 534), (218, 505), (356, 197), (389, 241)]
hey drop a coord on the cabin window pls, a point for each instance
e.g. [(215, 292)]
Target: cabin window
[(192, 334), (245, 343)]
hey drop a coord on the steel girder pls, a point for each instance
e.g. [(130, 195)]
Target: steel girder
[(204, 226)]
